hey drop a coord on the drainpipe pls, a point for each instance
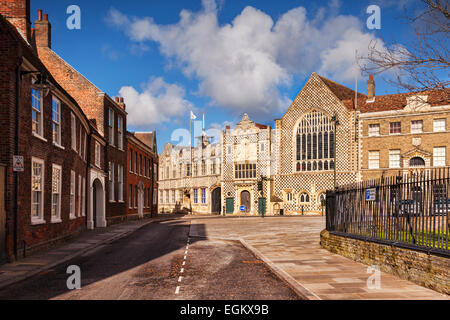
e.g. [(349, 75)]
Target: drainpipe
[(16, 152)]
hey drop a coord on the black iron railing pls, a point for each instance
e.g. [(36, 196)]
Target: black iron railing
[(409, 210)]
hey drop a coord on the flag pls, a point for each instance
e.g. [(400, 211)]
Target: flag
[(193, 117)]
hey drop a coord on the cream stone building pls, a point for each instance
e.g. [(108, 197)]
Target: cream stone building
[(190, 182), (329, 136), (248, 168)]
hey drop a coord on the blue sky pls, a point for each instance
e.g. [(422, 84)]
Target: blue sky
[(222, 57)]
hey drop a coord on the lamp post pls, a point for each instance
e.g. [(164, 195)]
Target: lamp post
[(336, 123)]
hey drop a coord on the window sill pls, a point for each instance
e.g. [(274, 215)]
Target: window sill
[(38, 222), (59, 146), (121, 201), (56, 221), (112, 201), (72, 217), (39, 137)]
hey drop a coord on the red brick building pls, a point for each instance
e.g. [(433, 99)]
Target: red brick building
[(142, 174), (39, 121), (110, 118)]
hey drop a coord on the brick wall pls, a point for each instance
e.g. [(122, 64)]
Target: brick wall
[(427, 270)]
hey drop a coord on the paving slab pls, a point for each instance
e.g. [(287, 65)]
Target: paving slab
[(292, 244)]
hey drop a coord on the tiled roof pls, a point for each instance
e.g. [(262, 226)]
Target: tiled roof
[(385, 102)]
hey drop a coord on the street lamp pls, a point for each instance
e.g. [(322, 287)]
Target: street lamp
[(336, 123)]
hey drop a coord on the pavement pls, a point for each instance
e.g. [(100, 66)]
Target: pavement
[(291, 248), (158, 262), (90, 240)]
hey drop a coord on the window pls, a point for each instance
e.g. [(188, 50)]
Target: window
[(229, 150), (111, 181), (155, 200), (314, 141), (120, 183), (161, 197), (37, 190), (131, 160), (188, 170), (97, 154), (135, 196), (289, 196), (416, 162), (73, 124), (84, 145), (56, 194), (56, 119), (245, 171), (394, 159), (140, 166), (79, 195), (304, 198), (81, 135), (167, 196), (72, 194), (374, 130), (262, 147), (111, 126), (203, 168), (155, 171), (203, 196), (322, 199), (417, 126), (439, 156), (36, 104), (213, 168), (195, 195), (130, 197), (395, 128), (120, 133), (173, 196), (374, 159), (439, 125), (83, 198), (135, 163), (195, 169)]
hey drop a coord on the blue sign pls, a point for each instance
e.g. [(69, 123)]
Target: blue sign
[(371, 194), (242, 208)]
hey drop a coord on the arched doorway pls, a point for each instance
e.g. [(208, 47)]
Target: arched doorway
[(98, 204), (216, 200), (245, 200)]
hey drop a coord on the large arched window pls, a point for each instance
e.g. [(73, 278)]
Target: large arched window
[(417, 162), (315, 141)]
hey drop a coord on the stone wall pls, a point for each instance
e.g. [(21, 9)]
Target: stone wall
[(427, 270)]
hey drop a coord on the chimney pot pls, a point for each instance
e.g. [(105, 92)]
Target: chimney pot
[(117, 99), (121, 100), (39, 15), (370, 88), (46, 17)]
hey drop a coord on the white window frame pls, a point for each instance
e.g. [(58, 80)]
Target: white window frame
[(111, 182), (73, 124), (416, 126), (56, 214), (111, 126), (289, 196), (56, 124), (374, 160), (39, 113), (72, 194), (40, 218), (97, 154), (83, 198), (371, 130), (439, 156), (439, 125), (395, 159), (79, 195), (120, 132), (120, 183), (155, 196)]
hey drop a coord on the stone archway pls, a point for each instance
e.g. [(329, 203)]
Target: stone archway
[(246, 201), (96, 217)]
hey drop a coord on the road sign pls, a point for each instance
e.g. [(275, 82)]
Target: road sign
[(242, 208), (371, 194), (18, 164)]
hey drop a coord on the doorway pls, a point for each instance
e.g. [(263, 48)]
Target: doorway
[(216, 197), (140, 201), (245, 201), (98, 204)]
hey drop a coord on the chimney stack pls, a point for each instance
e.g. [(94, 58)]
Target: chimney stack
[(43, 31), (121, 102), (17, 12), (370, 88)]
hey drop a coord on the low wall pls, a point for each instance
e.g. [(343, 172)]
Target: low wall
[(427, 270)]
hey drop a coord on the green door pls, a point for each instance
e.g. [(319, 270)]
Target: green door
[(262, 206), (230, 205)]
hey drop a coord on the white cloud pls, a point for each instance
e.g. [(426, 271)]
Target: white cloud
[(244, 64), (158, 102)]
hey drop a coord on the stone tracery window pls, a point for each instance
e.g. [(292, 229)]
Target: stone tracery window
[(315, 143)]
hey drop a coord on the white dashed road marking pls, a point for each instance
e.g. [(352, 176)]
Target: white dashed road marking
[(177, 290)]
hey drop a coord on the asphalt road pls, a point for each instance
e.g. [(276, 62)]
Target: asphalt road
[(158, 262)]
